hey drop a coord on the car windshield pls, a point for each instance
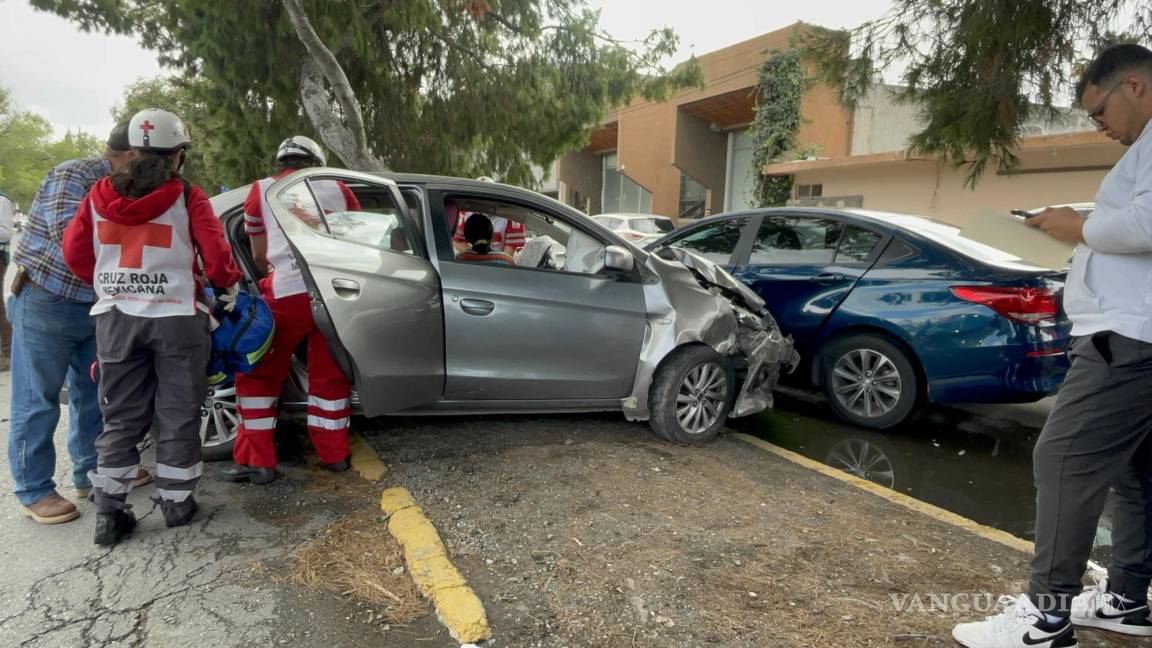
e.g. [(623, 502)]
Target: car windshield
[(651, 225)]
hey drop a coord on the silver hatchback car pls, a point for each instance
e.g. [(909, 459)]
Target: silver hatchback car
[(582, 322)]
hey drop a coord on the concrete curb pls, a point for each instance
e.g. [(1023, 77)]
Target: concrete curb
[(457, 606), (934, 512), (364, 459)]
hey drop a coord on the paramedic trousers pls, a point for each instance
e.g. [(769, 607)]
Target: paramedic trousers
[(1095, 439), (258, 392), (152, 372)]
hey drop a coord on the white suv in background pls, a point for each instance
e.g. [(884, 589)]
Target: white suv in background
[(639, 229)]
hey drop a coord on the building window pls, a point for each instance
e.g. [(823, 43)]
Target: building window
[(809, 191), (693, 198), (621, 194), (740, 185)]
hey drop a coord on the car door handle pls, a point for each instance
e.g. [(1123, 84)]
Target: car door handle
[(828, 277), (478, 307), (346, 288)]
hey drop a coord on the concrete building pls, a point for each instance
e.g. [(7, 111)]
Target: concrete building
[(691, 154), (1062, 161)]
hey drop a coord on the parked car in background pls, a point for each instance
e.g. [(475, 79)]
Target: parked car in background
[(638, 229), (670, 339), (889, 311)]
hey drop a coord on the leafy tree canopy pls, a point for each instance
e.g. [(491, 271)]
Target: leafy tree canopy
[(29, 151), (977, 69), (460, 87)]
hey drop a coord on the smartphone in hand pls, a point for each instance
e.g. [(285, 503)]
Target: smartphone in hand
[(1020, 213)]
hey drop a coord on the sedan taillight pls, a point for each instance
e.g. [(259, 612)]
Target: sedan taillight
[(632, 236), (1026, 305)]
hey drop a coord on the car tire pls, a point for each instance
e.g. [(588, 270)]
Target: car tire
[(691, 396), (219, 421), (869, 381)]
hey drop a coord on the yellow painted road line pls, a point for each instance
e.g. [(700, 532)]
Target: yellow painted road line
[(934, 512), (458, 607), (364, 459)]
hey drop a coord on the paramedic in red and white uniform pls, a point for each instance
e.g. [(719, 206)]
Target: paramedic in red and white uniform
[(258, 392), (136, 239), (507, 235)]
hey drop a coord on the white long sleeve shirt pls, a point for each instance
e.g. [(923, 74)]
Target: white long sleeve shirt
[(1109, 286), (7, 213)]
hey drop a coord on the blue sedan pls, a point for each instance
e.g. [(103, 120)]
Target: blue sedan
[(889, 311)]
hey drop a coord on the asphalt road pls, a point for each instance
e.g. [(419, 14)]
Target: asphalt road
[(218, 582)]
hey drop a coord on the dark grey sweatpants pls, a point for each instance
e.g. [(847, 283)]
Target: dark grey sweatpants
[(1096, 438), (152, 372)]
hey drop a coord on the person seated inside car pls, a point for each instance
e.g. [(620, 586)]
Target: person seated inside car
[(478, 235)]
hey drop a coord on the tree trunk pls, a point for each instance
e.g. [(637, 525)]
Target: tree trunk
[(341, 132)]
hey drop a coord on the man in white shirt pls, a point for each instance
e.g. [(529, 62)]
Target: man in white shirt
[(1097, 436), (7, 216)]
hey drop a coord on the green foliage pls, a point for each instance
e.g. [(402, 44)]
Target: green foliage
[(977, 69), (460, 87), (780, 85), (29, 152)]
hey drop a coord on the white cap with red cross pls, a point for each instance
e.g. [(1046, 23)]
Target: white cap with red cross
[(157, 130)]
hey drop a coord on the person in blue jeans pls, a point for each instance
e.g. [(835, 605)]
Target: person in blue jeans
[(53, 341)]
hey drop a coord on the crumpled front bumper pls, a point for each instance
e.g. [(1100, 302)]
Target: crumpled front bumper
[(767, 352), (695, 301)]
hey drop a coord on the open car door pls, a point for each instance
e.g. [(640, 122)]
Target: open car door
[(375, 295)]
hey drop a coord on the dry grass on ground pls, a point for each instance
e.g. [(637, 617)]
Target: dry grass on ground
[(358, 558)]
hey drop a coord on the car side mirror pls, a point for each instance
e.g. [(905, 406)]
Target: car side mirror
[(618, 259)]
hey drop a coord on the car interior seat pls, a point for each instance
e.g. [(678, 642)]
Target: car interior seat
[(787, 239), (398, 240), (451, 215)]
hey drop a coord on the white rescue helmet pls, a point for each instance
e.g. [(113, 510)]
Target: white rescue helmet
[(157, 130), (300, 146)]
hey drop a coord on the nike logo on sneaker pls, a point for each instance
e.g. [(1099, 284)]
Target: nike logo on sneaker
[(1100, 614), (1052, 637)]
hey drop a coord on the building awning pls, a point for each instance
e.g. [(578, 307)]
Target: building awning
[(603, 138), (726, 110)]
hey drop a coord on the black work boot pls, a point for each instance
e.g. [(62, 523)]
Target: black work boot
[(112, 527), (252, 474), (179, 513), (339, 466)]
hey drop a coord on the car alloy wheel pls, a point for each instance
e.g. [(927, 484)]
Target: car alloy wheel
[(219, 420), (866, 383), (701, 398), (861, 458)]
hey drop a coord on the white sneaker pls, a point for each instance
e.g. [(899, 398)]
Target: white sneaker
[(1020, 625), (1096, 607)]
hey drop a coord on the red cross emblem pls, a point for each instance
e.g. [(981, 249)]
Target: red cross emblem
[(147, 127), (133, 238)]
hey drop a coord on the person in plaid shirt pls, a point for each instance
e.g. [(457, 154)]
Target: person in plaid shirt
[(53, 339)]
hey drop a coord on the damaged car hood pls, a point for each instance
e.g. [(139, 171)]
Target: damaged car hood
[(711, 274)]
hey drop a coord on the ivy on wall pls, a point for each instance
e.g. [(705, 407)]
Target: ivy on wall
[(780, 85)]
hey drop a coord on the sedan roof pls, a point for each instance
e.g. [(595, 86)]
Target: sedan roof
[(921, 227)]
